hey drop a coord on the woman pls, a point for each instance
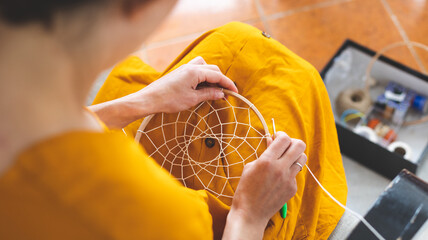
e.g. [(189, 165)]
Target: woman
[(63, 176)]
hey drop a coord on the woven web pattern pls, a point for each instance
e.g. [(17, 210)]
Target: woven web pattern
[(207, 146)]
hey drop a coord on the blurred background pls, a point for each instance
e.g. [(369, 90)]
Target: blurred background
[(314, 29)]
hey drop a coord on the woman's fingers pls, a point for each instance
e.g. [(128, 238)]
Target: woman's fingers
[(197, 61), (298, 165), (211, 67), (277, 148), (297, 147), (210, 76), (200, 61), (189, 85), (288, 151), (209, 93)]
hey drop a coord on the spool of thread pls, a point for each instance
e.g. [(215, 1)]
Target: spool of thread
[(351, 115), (401, 148), (390, 136), (366, 132), (373, 123), (420, 103), (387, 113), (382, 130), (353, 99)]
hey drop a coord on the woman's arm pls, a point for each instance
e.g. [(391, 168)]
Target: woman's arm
[(265, 185), (242, 227), (174, 92), (118, 113)]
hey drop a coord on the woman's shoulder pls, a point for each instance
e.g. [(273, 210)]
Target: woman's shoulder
[(107, 180)]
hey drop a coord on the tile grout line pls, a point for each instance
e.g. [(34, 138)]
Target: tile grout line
[(403, 35), (166, 42), (263, 17), (278, 15), (141, 52), (193, 36), (173, 40), (251, 21), (145, 56)]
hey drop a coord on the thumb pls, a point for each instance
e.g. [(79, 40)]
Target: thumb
[(197, 61), (209, 93)]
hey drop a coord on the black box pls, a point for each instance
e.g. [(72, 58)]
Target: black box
[(372, 155), (400, 212)]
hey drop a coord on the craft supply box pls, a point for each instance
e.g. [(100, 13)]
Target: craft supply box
[(347, 70)]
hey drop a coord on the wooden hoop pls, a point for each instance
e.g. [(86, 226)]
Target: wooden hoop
[(227, 92)]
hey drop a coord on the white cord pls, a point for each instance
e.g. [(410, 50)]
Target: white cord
[(361, 218), (171, 143)]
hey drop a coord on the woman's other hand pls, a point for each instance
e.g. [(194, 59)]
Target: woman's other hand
[(179, 91), (265, 186)]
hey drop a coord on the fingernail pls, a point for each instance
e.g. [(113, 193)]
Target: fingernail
[(220, 95)]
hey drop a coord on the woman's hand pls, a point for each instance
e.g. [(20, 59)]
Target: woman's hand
[(174, 92), (178, 90), (266, 184)]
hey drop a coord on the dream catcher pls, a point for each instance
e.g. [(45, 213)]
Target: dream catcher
[(207, 146)]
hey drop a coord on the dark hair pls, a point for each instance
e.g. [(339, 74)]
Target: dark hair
[(26, 11)]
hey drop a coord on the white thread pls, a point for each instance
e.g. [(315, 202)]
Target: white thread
[(404, 147), (274, 128), (366, 132), (173, 149), (361, 218)]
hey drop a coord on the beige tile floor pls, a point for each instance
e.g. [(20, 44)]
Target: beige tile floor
[(313, 29)]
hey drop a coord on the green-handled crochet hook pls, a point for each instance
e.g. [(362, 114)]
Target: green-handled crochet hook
[(283, 210)]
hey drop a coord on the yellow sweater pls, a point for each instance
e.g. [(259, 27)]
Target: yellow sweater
[(84, 185)]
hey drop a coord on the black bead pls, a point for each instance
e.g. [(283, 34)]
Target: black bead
[(209, 142)]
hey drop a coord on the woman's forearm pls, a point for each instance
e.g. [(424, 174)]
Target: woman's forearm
[(240, 227), (118, 113)]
